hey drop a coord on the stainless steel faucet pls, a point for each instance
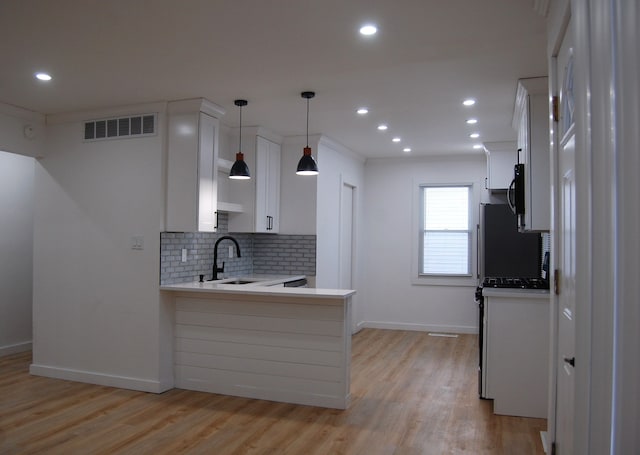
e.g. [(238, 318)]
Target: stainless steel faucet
[(214, 276)]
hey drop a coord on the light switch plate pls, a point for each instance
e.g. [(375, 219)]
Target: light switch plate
[(137, 242), (184, 255)]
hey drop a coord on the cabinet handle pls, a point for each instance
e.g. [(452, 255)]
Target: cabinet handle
[(486, 186), (216, 225), (571, 361), (269, 223)]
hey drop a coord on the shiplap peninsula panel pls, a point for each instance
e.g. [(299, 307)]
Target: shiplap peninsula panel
[(279, 348)]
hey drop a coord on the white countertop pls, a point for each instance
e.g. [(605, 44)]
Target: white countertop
[(518, 293), (265, 285)]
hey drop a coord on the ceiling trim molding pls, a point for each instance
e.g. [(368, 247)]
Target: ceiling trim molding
[(21, 113), (80, 116)]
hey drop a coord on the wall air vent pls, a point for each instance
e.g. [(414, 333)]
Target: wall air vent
[(120, 127)]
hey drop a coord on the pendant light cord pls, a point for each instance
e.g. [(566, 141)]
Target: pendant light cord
[(240, 139), (307, 122)]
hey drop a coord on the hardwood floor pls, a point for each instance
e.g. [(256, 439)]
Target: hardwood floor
[(411, 394)]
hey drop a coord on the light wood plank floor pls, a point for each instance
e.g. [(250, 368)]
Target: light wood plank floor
[(411, 394)]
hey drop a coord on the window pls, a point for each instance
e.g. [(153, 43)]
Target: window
[(445, 231)]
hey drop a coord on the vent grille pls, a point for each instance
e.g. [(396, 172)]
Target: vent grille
[(120, 127)]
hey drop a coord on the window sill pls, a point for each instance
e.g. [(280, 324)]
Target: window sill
[(462, 281)]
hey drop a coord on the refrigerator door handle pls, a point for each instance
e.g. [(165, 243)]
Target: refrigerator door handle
[(512, 204), (478, 251)]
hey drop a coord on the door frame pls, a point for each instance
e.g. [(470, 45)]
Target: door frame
[(607, 90), (355, 310), (559, 23)]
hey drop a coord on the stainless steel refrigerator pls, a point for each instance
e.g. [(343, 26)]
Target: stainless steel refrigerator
[(505, 252)]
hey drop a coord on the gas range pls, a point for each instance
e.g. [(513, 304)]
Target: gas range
[(515, 283)]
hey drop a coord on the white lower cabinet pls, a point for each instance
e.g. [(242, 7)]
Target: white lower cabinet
[(516, 364)]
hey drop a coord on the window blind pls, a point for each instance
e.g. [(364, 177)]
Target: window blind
[(445, 230)]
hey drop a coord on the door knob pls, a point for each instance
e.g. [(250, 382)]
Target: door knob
[(571, 361)]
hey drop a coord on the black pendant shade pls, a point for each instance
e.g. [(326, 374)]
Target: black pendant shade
[(307, 165), (240, 170)]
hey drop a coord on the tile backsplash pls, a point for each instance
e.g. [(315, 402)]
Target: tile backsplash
[(260, 254)]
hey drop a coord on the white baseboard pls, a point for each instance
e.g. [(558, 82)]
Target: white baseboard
[(545, 444), (123, 382), (15, 348), (359, 326), (419, 327)]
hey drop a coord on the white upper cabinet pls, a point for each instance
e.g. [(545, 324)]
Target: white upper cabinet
[(267, 185), (501, 158), (259, 196), (531, 121), (192, 165)]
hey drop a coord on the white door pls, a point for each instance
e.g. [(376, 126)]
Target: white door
[(347, 215), (566, 256)]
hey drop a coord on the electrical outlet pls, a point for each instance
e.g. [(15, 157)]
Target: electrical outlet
[(230, 252)]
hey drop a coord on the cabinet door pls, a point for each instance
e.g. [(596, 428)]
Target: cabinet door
[(192, 172), (517, 355), (267, 186), (273, 191), (501, 157), (537, 202), (207, 174), (532, 111)]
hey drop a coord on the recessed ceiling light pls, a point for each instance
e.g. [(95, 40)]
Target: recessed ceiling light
[(469, 102), (43, 76), (474, 135), (477, 146), (396, 139), (368, 30), (362, 111), (382, 127), (406, 149), (472, 121)]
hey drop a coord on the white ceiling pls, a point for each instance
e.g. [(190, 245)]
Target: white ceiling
[(413, 75)]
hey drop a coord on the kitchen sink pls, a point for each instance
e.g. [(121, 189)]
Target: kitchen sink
[(239, 281)]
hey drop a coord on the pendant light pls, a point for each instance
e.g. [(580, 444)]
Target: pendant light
[(307, 165), (240, 170)]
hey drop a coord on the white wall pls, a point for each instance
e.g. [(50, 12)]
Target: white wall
[(23, 132), (311, 205), (336, 165), (298, 193), (391, 301), (97, 312), (16, 251), (339, 166)]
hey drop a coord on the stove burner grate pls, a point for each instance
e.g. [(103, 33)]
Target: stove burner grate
[(515, 283)]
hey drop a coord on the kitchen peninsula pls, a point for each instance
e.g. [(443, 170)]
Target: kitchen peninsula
[(263, 340)]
